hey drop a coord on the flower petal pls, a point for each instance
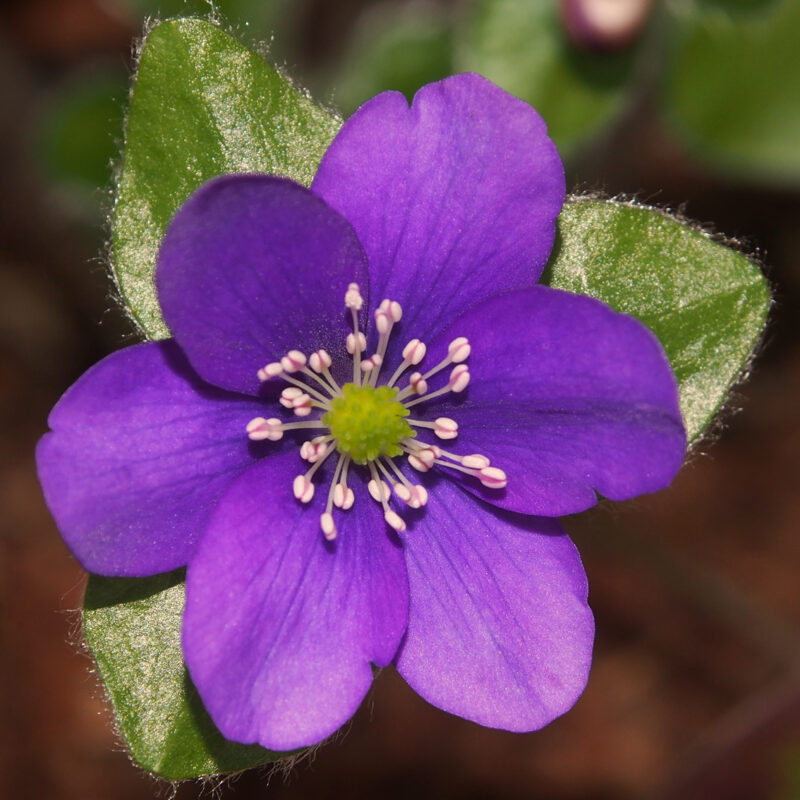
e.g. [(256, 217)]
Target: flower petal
[(454, 199), (280, 626), (566, 396), (140, 451), (253, 266), (499, 631)]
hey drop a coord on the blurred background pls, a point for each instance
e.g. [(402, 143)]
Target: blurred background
[(690, 104)]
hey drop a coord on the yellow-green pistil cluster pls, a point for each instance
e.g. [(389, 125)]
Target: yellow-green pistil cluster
[(368, 422)]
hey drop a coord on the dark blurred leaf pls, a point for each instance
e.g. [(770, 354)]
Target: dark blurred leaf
[(398, 47), (521, 45), (132, 627), (81, 130), (705, 302), (261, 18), (732, 87), (203, 105)]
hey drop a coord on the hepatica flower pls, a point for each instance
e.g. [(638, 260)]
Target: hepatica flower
[(365, 425)]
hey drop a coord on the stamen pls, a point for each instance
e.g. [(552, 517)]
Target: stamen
[(352, 298), (259, 429), (459, 380), (443, 427), (393, 519), (271, 370), (457, 351), (320, 362), (413, 353), (312, 451), (354, 301), (303, 487), (491, 477), (273, 428), (328, 526), (371, 363), (326, 519), (378, 489), (414, 495), (386, 315), (417, 383), (293, 361), (297, 400), (353, 339), (343, 497)]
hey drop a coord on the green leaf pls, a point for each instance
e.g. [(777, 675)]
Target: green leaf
[(706, 302), (732, 88), (521, 46), (133, 627), (202, 105)]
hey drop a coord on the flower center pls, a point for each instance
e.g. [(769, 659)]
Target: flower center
[(367, 422)]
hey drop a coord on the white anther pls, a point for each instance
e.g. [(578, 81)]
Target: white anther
[(327, 525), (395, 311), (312, 451), (418, 383), (422, 460), (459, 378), (394, 520), (353, 298), (379, 493), (351, 343), (403, 492), (492, 477), (259, 429), (418, 463), (303, 489), (293, 361), (475, 461), (289, 395), (368, 364), (445, 428), (302, 405), (343, 497), (319, 361), (459, 349), (414, 351), (383, 320), (271, 370), (419, 496)]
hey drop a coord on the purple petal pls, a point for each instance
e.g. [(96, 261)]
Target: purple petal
[(251, 267), (140, 452), (280, 626), (499, 630), (568, 397), (454, 199)]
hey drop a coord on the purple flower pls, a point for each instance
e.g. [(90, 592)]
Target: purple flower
[(385, 323)]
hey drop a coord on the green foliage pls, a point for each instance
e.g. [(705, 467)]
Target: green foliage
[(132, 627), (706, 303), (203, 105), (732, 88)]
